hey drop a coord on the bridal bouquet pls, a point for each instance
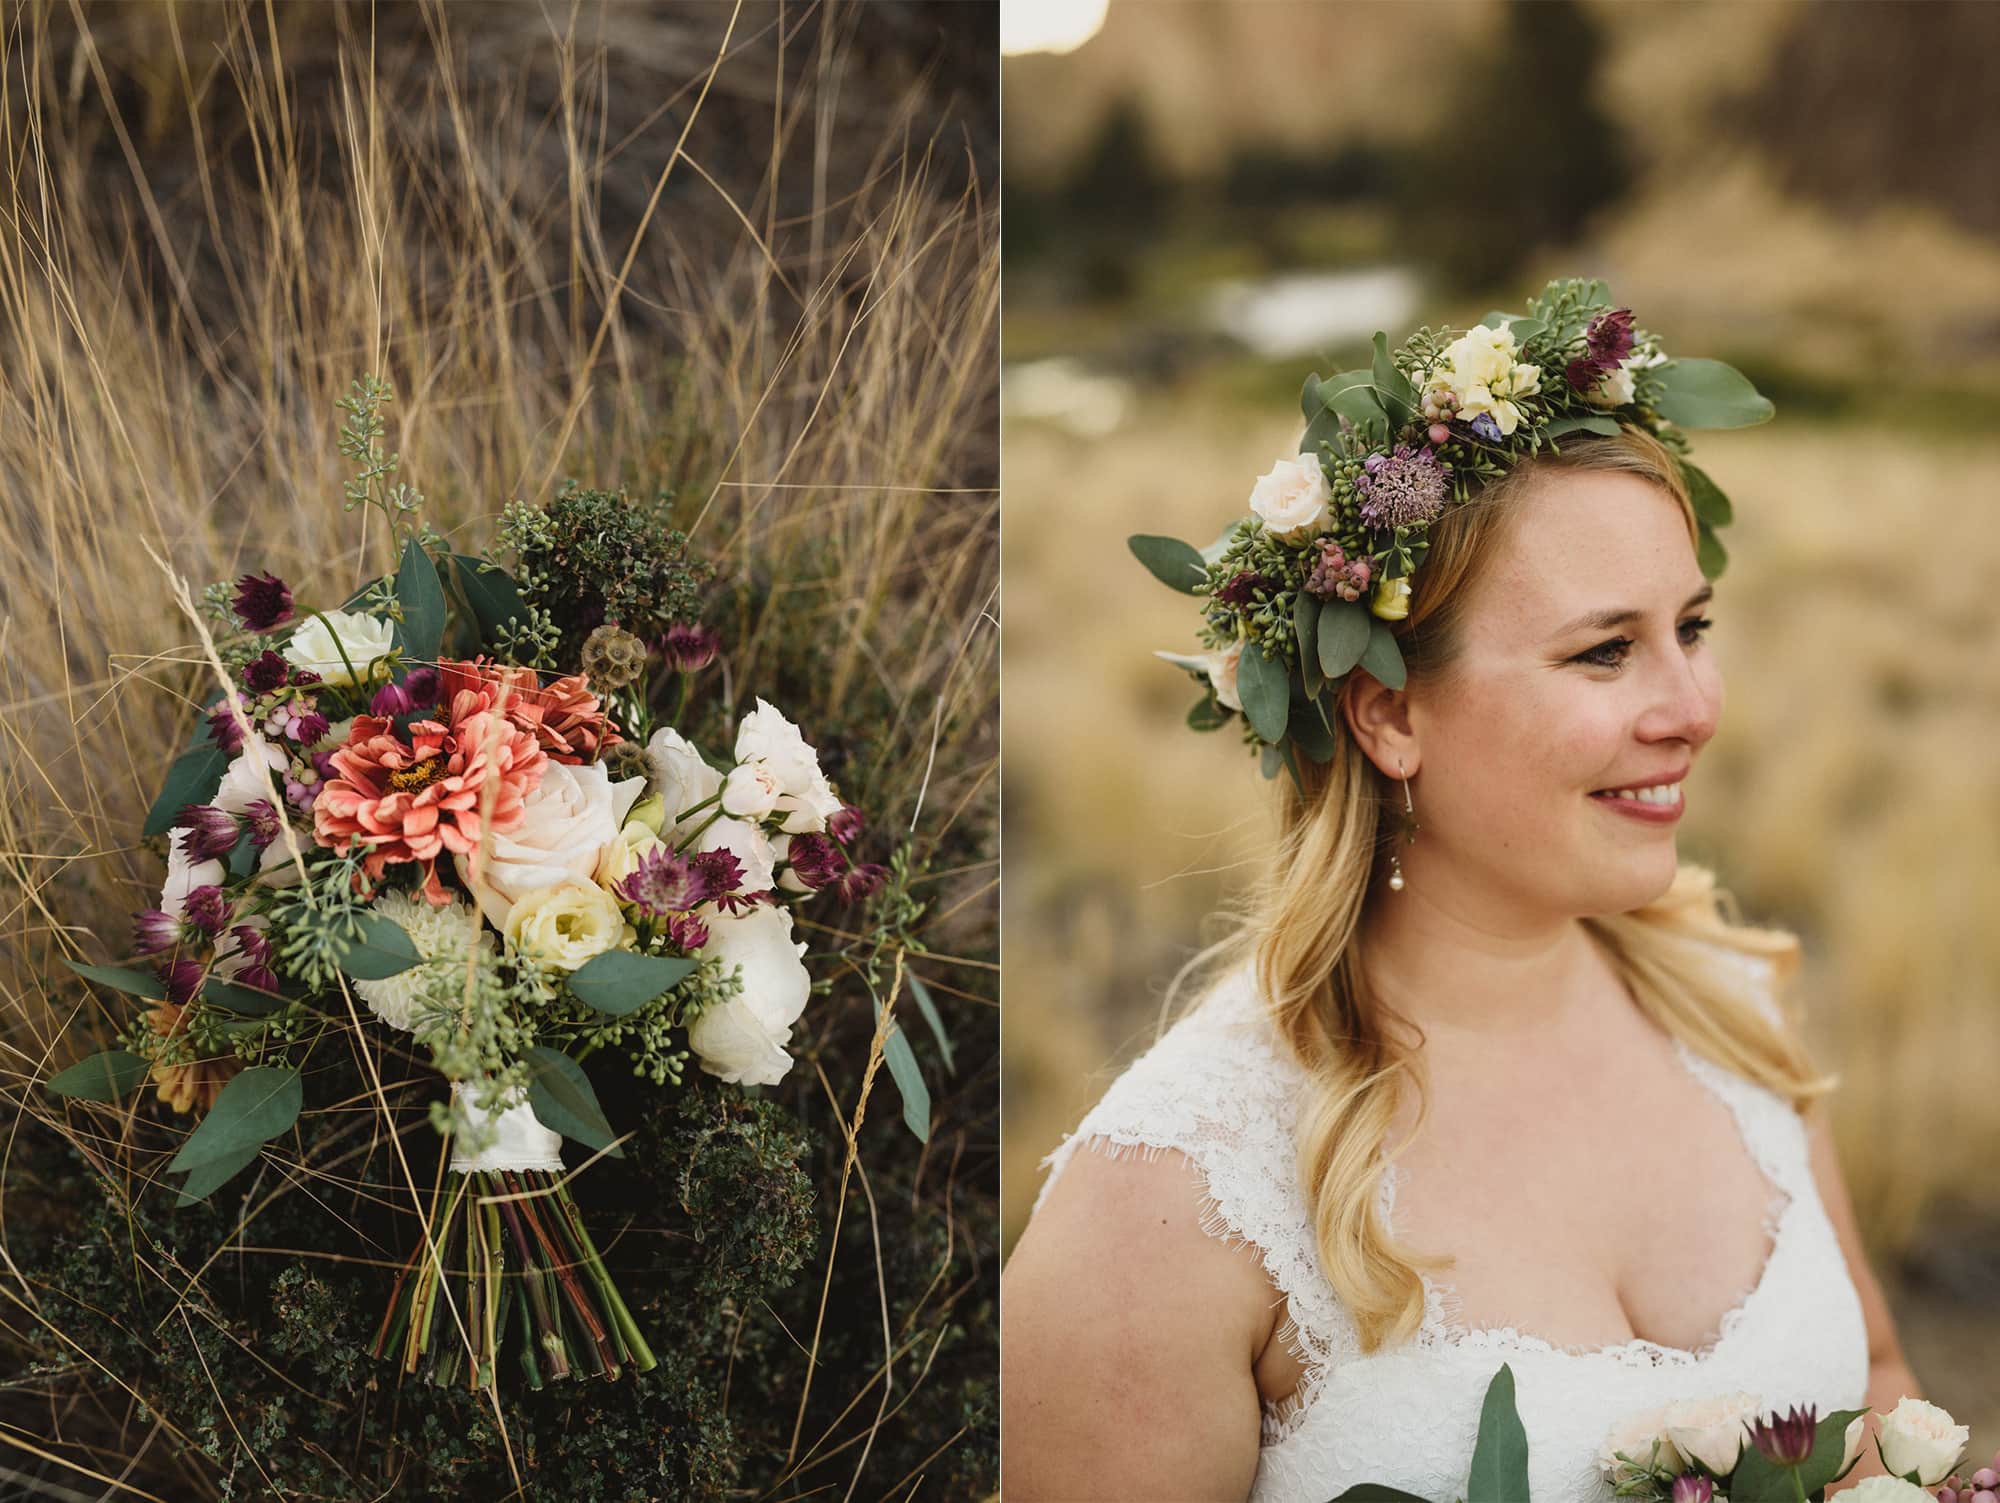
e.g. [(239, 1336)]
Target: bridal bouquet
[(444, 814), (1729, 1450)]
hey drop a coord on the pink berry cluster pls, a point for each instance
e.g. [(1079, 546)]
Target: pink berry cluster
[(1983, 1486), (1336, 574)]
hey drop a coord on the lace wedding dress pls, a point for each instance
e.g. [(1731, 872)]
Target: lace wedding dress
[(1223, 1089)]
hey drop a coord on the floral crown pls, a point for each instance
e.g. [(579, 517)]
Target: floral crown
[(1298, 593)]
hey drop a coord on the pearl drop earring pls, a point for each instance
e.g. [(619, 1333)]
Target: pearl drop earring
[(1408, 832)]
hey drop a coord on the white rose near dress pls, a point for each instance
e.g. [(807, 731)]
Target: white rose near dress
[(1221, 1088)]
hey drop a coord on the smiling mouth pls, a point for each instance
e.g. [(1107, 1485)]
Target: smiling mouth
[(1661, 796)]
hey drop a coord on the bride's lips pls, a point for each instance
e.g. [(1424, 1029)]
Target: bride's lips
[(1639, 809)]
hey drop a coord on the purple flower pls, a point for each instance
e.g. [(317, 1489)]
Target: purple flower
[(209, 909), (722, 871), (689, 649), (1406, 490), (154, 931), (664, 882), (262, 602), (1786, 1440), (422, 686), (1487, 428), (845, 826), (734, 903), (266, 674), (390, 700), (222, 724), (1606, 342), (1242, 589), (686, 931), (815, 860), (261, 819), (861, 882), (183, 979), (211, 831), (1692, 1487), (310, 728), (252, 943)]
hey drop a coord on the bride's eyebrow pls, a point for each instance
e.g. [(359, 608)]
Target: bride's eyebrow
[(1607, 619)]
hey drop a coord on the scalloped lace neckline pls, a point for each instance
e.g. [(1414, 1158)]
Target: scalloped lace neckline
[(1441, 1298)]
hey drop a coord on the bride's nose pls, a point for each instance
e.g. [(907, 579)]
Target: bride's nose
[(1687, 700)]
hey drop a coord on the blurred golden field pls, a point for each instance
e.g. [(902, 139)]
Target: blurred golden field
[(1852, 794)]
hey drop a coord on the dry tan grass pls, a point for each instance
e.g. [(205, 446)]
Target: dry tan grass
[(600, 244)]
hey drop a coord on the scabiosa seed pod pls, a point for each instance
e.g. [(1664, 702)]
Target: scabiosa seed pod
[(266, 673), (625, 759), (689, 649), (262, 602), (211, 831), (612, 657), (154, 931)]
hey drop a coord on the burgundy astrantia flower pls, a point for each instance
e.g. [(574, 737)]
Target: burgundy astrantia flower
[(262, 602), (266, 673), (211, 831), (183, 979), (261, 819), (222, 723), (815, 860), (721, 870), (209, 909), (687, 931), (1786, 1440), (664, 882), (154, 931), (1692, 1487), (1242, 588), (1606, 342), (846, 826), (860, 882), (689, 649)]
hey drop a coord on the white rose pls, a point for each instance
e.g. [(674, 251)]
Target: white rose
[(1635, 1437), (743, 1040), (805, 798), (1921, 1438), (751, 790), (751, 847), (1712, 1431), (183, 875), (1879, 1489), (680, 776), (363, 638), (568, 923), (1218, 667), (1615, 390), (565, 825), (781, 853), (1291, 497)]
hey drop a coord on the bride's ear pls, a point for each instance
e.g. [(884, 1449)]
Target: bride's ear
[(1379, 720)]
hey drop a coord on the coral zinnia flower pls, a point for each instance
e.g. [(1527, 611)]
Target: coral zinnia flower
[(566, 716), (198, 1081), (417, 800)]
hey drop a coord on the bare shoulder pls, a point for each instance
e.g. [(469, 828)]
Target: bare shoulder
[(1129, 1338)]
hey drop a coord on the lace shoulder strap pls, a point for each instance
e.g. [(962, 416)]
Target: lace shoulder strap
[(1223, 1089), (1773, 1131)]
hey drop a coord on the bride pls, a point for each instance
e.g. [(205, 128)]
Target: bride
[(1480, 1021)]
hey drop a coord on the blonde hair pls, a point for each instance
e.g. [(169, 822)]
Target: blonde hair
[(1301, 926)]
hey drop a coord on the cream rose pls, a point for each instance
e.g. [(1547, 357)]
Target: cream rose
[(1879, 1489), (680, 777), (751, 790), (771, 743), (568, 923), (1921, 1438), (743, 1040), (1635, 1436), (1712, 1431), (363, 638), (1291, 497), (565, 825), (1616, 389), (1219, 668)]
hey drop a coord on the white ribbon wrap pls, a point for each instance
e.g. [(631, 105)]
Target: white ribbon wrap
[(521, 1142)]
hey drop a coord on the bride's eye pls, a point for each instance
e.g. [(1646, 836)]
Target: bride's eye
[(1611, 654)]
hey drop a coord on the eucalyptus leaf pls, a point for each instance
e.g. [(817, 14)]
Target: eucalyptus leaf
[(927, 1005), (1172, 562), (1709, 394), (258, 1104), (1352, 395), (248, 1000), (1710, 555), (1606, 427), (107, 1076), (1392, 388), (121, 978), (492, 594), (1378, 1492), (619, 981), (1216, 549), (560, 1094), (1264, 684), (1495, 319), (1269, 761), (1382, 657), (1311, 403), (1323, 429), (193, 779), (384, 949), (211, 1175), (1305, 628), (1500, 1454), (1710, 505), (1309, 733), (902, 1062), (1207, 714), (1344, 630), (421, 631)]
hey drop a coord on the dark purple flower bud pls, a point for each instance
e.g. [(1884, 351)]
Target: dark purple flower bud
[(815, 860), (209, 909), (1692, 1487), (183, 979), (222, 724), (1487, 427), (262, 602), (211, 831), (689, 649), (261, 819), (252, 943), (664, 882), (1606, 343), (846, 826), (390, 700), (721, 872), (1787, 1440), (1242, 588), (259, 977), (861, 882), (154, 931), (422, 686), (686, 931), (309, 728), (266, 674), (304, 678)]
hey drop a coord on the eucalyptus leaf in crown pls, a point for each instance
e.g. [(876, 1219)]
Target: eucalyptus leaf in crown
[(1299, 593)]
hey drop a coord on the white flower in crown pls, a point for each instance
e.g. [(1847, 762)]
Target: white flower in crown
[(1218, 667), (1479, 369), (1291, 497), (1616, 389)]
